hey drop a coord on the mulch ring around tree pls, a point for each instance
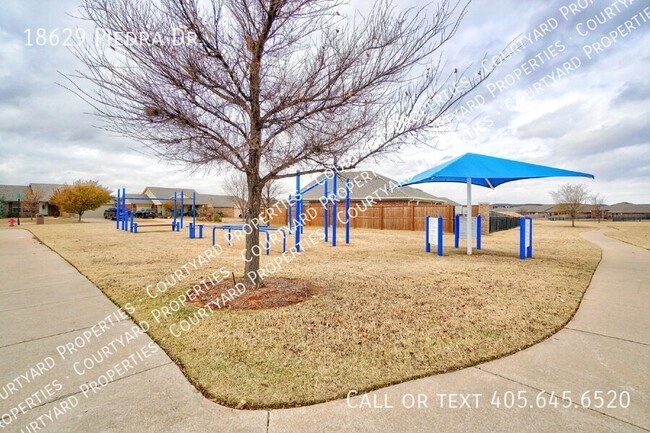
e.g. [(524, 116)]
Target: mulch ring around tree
[(274, 293)]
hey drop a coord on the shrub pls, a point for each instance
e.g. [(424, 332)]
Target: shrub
[(216, 218)]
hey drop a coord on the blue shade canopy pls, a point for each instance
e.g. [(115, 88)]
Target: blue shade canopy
[(488, 171)]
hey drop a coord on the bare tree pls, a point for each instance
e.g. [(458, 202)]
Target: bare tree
[(270, 86), (569, 199), (598, 203), (271, 191), (33, 197), (235, 186)]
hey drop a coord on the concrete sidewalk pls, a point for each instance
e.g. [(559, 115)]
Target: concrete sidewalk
[(45, 304)]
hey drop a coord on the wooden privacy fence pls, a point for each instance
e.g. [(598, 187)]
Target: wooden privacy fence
[(382, 216)]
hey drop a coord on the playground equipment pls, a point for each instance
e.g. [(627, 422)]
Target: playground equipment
[(229, 228), (525, 238), (463, 228), (124, 219), (433, 233), (296, 224)]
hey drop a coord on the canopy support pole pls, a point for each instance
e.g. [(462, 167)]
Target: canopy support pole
[(469, 216)]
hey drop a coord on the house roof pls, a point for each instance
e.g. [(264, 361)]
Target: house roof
[(627, 207), (146, 200), (46, 189), (10, 192), (449, 201), (160, 194), (371, 184), (533, 208), (215, 200)]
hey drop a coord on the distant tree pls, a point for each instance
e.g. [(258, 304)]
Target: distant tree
[(168, 207), (598, 203), (270, 193), (569, 199), (33, 197), (3, 204), (81, 197), (235, 185)]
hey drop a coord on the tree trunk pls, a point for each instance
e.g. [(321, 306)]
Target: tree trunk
[(573, 222), (251, 213), (255, 186), (80, 213)]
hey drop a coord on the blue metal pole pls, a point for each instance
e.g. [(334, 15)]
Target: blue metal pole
[(182, 207), (440, 238), (289, 223), (194, 208), (335, 213), (427, 245), (522, 238), (530, 247), (174, 209), (117, 209), (298, 200), (478, 232), (326, 217), (302, 214), (456, 230), (124, 208), (348, 185)]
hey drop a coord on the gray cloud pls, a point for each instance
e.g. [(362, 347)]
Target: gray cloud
[(633, 92), (592, 120)]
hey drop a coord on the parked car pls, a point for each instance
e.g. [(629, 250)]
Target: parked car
[(110, 213), (145, 213)]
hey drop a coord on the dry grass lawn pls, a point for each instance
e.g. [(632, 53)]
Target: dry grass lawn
[(632, 232), (389, 311)]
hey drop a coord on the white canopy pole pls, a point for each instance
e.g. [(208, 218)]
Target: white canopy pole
[(469, 216)]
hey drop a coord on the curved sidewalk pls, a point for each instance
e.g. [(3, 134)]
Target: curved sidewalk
[(48, 309)]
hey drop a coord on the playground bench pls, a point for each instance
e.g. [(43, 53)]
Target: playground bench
[(136, 226)]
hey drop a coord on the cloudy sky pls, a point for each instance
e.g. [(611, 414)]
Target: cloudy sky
[(580, 101)]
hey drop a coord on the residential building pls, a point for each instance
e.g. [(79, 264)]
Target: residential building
[(13, 194), (368, 184)]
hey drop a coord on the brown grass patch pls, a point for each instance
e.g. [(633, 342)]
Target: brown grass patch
[(633, 232), (388, 312)]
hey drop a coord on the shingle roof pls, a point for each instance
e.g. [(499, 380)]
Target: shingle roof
[(46, 189), (145, 202), (159, 194), (215, 200), (629, 207), (376, 185), (9, 192)]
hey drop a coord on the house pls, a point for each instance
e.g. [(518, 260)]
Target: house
[(45, 191), (42, 192), (10, 195), (158, 196), (627, 211), (368, 184), (535, 210), (155, 197), (219, 203)]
